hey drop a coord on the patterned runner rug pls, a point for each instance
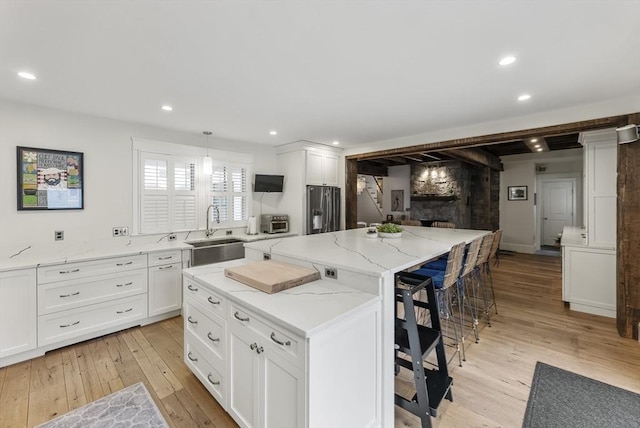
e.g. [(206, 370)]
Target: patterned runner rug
[(131, 406), (562, 399)]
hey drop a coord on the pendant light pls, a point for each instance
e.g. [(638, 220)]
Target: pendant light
[(207, 162)]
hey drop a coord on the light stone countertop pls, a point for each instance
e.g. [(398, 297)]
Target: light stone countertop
[(304, 309), (574, 237), (26, 255), (354, 251)]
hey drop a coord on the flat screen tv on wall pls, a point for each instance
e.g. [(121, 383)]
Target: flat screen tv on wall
[(268, 183)]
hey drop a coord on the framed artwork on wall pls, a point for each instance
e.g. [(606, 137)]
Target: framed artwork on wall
[(517, 193), (49, 179)]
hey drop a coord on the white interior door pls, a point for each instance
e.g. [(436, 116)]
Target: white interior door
[(558, 208)]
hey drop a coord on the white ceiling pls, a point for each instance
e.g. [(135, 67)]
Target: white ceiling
[(354, 71)]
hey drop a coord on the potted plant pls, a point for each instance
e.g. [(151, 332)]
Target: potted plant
[(389, 230)]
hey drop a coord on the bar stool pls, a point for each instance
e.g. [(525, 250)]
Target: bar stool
[(445, 283), (495, 247), (466, 288), (482, 301)]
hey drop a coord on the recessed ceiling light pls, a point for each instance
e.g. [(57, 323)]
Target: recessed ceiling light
[(507, 60), (540, 149), (27, 75), (524, 97), (534, 140), (167, 108), (273, 132), (536, 146), (335, 143)]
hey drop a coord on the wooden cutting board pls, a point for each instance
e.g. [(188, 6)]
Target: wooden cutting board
[(272, 276)]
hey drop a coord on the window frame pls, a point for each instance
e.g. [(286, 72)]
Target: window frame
[(144, 148)]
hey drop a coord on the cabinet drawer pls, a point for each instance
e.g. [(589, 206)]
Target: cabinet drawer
[(58, 296), (68, 271), (209, 330), (206, 297), (76, 322), (165, 257), (283, 342), (211, 378)]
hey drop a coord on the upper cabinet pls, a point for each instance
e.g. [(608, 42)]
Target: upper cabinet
[(322, 168), (600, 191)]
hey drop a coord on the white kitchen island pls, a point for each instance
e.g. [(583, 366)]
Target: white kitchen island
[(367, 264)]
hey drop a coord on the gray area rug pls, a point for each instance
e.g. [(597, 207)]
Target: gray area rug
[(131, 407), (559, 398)]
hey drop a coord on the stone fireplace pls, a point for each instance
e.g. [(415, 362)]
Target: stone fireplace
[(456, 192)]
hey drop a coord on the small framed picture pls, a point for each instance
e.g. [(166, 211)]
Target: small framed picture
[(517, 193)]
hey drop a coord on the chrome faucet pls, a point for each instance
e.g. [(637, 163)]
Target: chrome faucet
[(209, 230)]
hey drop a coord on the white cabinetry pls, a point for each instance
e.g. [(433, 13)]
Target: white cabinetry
[(600, 166), (79, 300), (165, 282), (17, 312), (322, 168), (205, 337), (304, 163), (266, 378), (268, 372)]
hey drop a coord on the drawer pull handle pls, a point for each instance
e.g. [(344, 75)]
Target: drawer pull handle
[(165, 267), (239, 318), (273, 337), (62, 272), (191, 321), (165, 258), (191, 288), (122, 312), (124, 264), (213, 382), (191, 358), (253, 346), (124, 285), (69, 325), (217, 302), (213, 339), (69, 295)]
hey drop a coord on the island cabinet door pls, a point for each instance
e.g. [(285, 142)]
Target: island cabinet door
[(283, 400), (244, 394)]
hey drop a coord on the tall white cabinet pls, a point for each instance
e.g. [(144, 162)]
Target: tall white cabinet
[(305, 163), (589, 254)]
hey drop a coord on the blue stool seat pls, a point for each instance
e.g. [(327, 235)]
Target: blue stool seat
[(440, 264), (437, 276)]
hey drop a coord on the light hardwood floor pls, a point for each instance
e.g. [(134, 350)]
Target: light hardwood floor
[(490, 390)]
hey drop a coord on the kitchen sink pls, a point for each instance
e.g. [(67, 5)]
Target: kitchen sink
[(216, 250)]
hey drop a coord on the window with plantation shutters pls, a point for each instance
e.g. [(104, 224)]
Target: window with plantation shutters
[(168, 196), (228, 191), (172, 192)]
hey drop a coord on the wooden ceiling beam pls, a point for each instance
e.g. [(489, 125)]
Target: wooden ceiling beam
[(483, 140), (477, 157), (368, 168)]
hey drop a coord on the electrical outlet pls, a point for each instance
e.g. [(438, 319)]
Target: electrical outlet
[(121, 231), (266, 256), (331, 273), (229, 232), (172, 237), (58, 235)]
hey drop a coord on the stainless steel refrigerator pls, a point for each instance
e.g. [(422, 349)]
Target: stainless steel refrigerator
[(323, 209)]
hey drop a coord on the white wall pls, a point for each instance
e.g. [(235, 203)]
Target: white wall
[(106, 145), (519, 219)]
